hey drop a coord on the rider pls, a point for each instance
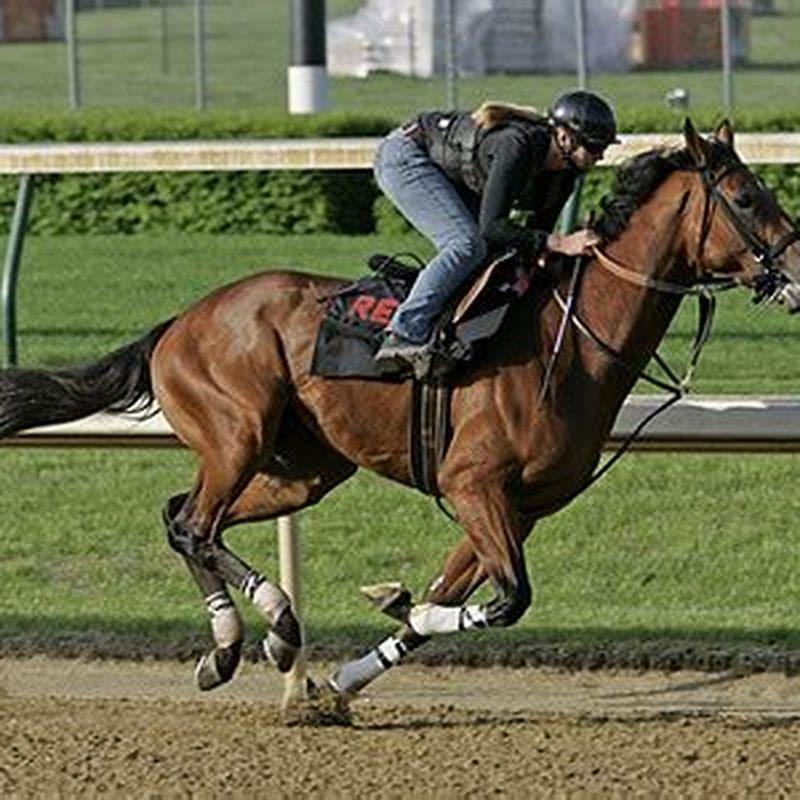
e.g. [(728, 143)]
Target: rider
[(456, 176)]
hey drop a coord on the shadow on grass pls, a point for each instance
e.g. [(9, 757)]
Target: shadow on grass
[(770, 66), (78, 332), (773, 649)]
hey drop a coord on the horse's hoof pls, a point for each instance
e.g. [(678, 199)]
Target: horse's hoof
[(323, 705), (393, 599), (217, 667), (283, 642), (279, 653)]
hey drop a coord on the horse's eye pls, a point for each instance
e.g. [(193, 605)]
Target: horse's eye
[(744, 199)]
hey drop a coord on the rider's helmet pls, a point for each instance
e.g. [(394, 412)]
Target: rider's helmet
[(588, 115)]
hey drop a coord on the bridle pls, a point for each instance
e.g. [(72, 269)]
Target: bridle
[(771, 279), (767, 285)]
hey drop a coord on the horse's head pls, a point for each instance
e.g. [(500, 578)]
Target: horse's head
[(742, 233)]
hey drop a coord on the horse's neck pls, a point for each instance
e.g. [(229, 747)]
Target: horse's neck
[(630, 318)]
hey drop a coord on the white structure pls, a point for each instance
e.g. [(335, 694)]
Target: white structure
[(308, 88), (408, 37)]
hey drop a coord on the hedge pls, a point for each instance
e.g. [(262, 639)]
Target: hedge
[(213, 202), (265, 202)]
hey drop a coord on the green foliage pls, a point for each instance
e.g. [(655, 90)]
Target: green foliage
[(785, 182), (141, 124), (388, 220), (657, 119), (218, 202)]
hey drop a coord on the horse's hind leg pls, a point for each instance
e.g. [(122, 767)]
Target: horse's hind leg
[(230, 417), (302, 482), (301, 471), (218, 666), (213, 565)]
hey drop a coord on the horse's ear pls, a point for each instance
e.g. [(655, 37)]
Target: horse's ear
[(695, 144), (724, 133)]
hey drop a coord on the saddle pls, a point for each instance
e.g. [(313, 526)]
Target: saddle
[(353, 329), (357, 315)]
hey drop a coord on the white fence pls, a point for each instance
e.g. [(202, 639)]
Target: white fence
[(270, 154), (697, 424)]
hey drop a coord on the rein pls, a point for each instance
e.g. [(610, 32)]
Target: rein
[(676, 387)]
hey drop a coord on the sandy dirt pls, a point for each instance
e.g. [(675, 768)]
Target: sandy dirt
[(75, 728)]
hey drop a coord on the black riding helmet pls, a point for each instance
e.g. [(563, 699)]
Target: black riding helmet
[(588, 115)]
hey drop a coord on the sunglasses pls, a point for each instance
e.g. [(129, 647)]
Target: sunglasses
[(593, 148)]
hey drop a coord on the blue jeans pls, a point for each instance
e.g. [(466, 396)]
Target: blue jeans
[(431, 203)]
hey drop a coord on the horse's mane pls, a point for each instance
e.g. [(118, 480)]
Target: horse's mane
[(637, 179)]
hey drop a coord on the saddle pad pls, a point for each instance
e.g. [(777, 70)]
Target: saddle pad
[(353, 328)]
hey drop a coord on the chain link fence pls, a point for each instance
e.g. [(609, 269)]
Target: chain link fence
[(396, 56)]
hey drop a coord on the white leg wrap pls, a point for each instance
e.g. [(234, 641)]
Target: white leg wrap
[(268, 598), (354, 675), (427, 619), (226, 624)]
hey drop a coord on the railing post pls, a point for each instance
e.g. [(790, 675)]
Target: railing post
[(200, 54), (11, 271), (73, 63), (289, 557)]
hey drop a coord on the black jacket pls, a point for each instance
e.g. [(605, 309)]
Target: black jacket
[(499, 170)]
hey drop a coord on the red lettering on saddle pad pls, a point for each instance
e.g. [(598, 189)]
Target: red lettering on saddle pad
[(382, 313), (370, 309), (361, 307)]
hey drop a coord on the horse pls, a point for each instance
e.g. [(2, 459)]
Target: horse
[(232, 376)]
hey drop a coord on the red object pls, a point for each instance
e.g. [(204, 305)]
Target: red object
[(680, 33), (27, 20), (372, 309), (678, 36)]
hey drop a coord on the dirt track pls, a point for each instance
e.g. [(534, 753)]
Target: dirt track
[(72, 727)]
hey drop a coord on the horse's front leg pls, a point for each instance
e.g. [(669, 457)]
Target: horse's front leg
[(492, 548)]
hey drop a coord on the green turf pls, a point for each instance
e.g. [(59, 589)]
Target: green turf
[(676, 547), (688, 548), (247, 55)]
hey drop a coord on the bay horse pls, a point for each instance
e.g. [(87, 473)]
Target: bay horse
[(232, 376)]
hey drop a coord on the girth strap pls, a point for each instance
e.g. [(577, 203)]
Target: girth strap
[(430, 432)]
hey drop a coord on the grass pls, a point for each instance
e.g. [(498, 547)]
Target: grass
[(676, 548), (247, 54), (83, 550)]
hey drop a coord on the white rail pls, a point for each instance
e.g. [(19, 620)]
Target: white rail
[(301, 154), (722, 423)]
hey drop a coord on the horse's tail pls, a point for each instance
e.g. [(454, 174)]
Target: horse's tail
[(119, 381)]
